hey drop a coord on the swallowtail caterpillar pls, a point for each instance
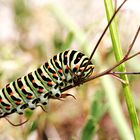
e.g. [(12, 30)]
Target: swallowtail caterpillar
[(65, 70), (36, 87)]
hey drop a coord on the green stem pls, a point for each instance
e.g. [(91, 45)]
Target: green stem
[(119, 55)]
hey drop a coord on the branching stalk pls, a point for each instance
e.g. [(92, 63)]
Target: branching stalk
[(109, 71), (102, 35)]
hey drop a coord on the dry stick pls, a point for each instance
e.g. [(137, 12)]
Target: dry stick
[(118, 72), (108, 71), (131, 46), (118, 78), (97, 44), (124, 59)]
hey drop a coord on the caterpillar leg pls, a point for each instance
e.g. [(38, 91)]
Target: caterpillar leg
[(1, 112), (44, 98), (64, 95), (55, 91), (20, 111)]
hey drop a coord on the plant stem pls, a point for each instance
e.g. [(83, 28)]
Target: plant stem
[(119, 55)]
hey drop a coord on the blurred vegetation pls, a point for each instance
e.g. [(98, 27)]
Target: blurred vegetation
[(97, 110), (41, 30)]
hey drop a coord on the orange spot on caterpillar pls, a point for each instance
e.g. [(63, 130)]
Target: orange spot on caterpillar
[(17, 102), (22, 87), (40, 90), (60, 70), (54, 74), (33, 81), (1, 100), (67, 67), (77, 66), (11, 94), (30, 97), (7, 107), (49, 83), (48, 67), (42, 74)]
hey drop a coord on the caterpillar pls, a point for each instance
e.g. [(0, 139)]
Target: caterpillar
[(34, 89)]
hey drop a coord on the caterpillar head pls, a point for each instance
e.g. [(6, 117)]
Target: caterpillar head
[(79, 65), (88, 71)]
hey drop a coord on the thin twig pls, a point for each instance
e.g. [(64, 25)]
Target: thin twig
[(128, 73), (108, 71), (97, 44), (132, 44), (118, 78)]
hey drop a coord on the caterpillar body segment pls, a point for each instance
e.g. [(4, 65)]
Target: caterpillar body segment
[(35, 88)]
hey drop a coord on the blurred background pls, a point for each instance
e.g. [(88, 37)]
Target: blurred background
[(32, 31)]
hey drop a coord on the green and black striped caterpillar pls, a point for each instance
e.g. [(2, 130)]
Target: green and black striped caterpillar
[(34, 89)]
